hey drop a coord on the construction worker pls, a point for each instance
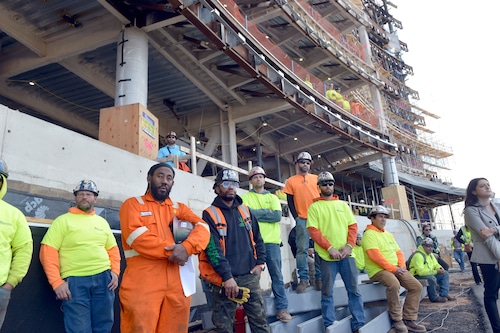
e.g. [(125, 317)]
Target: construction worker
[(356, 109), (333, 228), (234, 258), (301, 189), (359, 254), (167, 153), (385, 263), (465, 238), (267, 210), (458, 251), (81, 259), (424, 266), (426, 233), (333, 95), (16, 245), (152, 297)]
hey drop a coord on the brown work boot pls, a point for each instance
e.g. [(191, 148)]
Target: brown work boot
[(440, 299), (450, 298), (318, 285), (301, 288), (283, 316), (399, 326), (414, 327)]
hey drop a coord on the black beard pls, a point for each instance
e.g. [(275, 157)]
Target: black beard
[(227, 197), (157, 196)]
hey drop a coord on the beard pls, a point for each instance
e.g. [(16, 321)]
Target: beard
[(157, 195), (228, 197), (84, 206), (327, 191)]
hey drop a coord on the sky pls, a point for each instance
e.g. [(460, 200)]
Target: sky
[(453, 51)]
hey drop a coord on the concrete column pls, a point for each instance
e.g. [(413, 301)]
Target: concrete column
[(233, 149), (132, 68), (390, 171), (224, 137)]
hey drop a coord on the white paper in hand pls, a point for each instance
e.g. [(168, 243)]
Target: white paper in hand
[(188, 277)]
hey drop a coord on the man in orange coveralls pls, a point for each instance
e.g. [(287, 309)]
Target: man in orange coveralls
[(151, 293)]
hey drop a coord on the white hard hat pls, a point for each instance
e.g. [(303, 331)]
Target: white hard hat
[(304, 156), (256, 170), (379, 210), (325, 176)]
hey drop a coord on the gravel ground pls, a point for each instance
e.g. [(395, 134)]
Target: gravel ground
[(463, 315)]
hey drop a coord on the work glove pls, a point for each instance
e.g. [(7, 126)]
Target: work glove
[(243, 294)]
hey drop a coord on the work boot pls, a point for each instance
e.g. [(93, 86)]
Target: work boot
[(301, 288), (450, 298), (399, 326), (284, 316), (414, 327), (440, 299), (318, 285)]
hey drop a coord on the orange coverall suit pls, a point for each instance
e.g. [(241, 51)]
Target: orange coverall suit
[(151, 295)]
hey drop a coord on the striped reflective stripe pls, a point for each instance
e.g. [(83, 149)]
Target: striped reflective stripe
[(130, 253), (136, 233), (139, 199), (203, 225), (216, 214)]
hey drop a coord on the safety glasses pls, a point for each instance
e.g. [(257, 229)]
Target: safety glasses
[(227, 183)]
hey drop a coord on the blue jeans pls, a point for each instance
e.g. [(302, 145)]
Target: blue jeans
[(349, 273), (4, 302), (460, 258), (491, 279), (302, 243), (90, 309), (273, 261), (317, 267), (443, 280)]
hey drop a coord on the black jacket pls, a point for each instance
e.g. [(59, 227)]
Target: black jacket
[(239, 258)]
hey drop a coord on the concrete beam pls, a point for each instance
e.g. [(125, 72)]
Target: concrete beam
[(13, 25), (97, 32), (31, 99)]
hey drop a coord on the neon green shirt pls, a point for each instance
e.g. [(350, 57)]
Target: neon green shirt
[(359, 255), (333, 95), (267, 210), (16, 243), (82, 241), (332, 218), (423, 267), (383, 241)]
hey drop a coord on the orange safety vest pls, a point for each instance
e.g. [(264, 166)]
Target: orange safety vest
[(207, 272)]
